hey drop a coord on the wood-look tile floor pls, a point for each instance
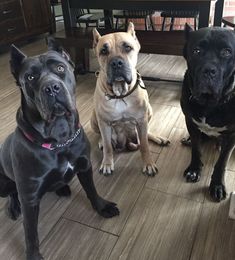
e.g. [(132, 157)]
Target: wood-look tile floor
[(161, 218)]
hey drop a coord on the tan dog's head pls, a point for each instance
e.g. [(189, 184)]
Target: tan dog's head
[(117, 54)]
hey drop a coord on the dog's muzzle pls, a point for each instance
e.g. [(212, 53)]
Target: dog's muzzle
[(207, 85), (118, 71), (55, 99)]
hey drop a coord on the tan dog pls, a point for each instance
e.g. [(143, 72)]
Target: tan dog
[(122, 110)]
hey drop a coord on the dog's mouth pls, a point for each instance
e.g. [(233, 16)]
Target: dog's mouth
[(119, 79), (206, 99), (120, 88), (56, 111)]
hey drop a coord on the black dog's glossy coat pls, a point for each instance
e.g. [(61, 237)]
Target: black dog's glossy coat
[(208, 99), (48, 113)]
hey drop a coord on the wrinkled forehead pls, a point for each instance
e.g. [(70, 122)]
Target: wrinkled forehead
[(213, 38), (116, 40), (43, 60)]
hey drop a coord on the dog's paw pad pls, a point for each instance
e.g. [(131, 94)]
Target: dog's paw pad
[(64, 191), (150, 170), (109, 210), (217, 192)]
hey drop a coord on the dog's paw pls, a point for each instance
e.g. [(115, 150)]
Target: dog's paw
[(106, 208), (217, 191), (186, 141), (13, 209), (164, 142), (192, 175), (150, 169), (64, 191), (34, 256), (106, 168)]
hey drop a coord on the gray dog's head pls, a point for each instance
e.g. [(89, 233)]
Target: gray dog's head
[(210, 56), (117, 54), (47, 81)]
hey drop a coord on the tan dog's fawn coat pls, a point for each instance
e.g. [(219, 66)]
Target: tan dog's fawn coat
[(121, 104)]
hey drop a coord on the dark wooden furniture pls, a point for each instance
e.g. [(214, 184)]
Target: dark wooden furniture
[(178, 14), (23, 18), (152, 42), (88, 18), (55, 17), (229, 21), (135, 14)]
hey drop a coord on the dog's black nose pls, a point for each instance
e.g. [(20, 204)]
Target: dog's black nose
[(52, 89), (116, 63), (210, 71)]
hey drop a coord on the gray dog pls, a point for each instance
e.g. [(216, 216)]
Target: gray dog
[(49, 145)]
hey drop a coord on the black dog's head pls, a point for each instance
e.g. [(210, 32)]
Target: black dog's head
[(47, 81), (210, 56)]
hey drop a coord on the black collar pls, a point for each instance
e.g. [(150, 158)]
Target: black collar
[(138, 83)]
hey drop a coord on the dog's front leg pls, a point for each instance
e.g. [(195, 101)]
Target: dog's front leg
[(107, 165), (193, 171), (30, 221), (105, 208), (150, 167), (217, 185)]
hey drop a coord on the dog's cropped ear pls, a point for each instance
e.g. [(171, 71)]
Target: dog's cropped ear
[(187, 30), (54, 45), (131, 29), (16, 60), (96, 37)]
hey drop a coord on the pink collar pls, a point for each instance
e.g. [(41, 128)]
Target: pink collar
[(50, 146)]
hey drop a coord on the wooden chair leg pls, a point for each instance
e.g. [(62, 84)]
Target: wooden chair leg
[(146, 24), (163, 23), (126, 23), (152, 22), (116, 24), (81, 60), (172, 23)]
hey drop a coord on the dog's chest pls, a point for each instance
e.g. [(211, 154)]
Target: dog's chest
[(208, 129), (68, 173), (122, 108)]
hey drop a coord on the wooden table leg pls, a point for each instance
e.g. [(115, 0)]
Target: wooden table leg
[(204, 14)]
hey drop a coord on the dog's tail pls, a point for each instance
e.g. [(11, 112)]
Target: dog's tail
[(158, 139)]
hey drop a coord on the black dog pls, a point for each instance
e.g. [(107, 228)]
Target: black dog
[(49, 145), (208, 99)]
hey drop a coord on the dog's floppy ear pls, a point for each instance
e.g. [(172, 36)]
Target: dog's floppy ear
[(96, 37), (53, 45), (16, 60), (131, 29)]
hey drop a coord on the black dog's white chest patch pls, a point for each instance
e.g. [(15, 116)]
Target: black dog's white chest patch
[(207, 129)]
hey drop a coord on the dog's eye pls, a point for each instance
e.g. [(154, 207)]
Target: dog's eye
[(60, 68), (128, 48), (30, 77), (196, 51), (104, 51), (226, 52)]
